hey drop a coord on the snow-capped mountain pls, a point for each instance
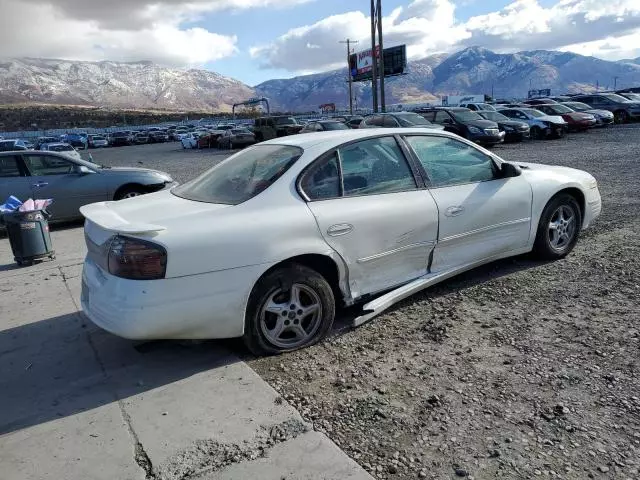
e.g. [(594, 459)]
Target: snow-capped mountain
[(140, 85), (474, 70), (143, 85)]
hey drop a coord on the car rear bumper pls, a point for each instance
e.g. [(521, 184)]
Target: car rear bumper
[(516, 136), (488, 139), (209, 305)]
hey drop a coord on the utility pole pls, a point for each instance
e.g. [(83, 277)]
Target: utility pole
[(615, 83), (597, 85), (348, 41), (383, 105), (374, 78)]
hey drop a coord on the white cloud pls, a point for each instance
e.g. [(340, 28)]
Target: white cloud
[(121, 30), (609, 29), (435, 29)]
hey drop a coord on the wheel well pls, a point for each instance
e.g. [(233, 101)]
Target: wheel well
[(578, 195), (322, 264), (129, 186)]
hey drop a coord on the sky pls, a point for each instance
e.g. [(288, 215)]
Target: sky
[(257, 40)]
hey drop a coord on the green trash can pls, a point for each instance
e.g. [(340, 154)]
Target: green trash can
[(29, 237)]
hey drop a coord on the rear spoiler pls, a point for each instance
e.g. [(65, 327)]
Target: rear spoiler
[(106, 218)]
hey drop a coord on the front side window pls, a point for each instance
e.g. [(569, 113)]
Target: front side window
[(242, 176), (451, 162), (375, 166), (48, 165)]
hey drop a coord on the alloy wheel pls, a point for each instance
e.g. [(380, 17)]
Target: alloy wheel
[(289, 318), (561, 228)]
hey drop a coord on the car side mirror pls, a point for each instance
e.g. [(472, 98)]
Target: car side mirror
[(509, 170), (82, 170)]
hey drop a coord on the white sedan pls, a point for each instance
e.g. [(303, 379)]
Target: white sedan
[(269, 242), (62, 148), (190, 140)]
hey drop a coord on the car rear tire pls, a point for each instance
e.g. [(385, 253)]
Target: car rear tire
[(559, 227), (621, 116), (290, 308), (128, 191)]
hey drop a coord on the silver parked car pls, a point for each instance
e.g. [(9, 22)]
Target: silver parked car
[(72, 183)]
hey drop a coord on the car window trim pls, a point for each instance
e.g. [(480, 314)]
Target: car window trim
[(46, 154), (419, 183), (494, 163)]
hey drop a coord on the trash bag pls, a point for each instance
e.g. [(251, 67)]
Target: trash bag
[(10, 205), (30, 205)]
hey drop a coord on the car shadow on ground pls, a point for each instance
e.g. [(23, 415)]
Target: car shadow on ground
[(476, 276), (64, 365)]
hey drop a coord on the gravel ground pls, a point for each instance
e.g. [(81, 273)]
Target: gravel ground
[(517, 370)]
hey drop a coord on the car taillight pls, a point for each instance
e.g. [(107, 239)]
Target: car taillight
[(136, 259)]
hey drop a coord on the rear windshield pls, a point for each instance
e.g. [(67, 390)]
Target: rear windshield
[(410, 119), (241, 176), (61, 148), (334, 126), (466, 115), (579, 106), (286, 121)]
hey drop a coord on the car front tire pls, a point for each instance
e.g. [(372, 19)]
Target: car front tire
[(290, 308), (559, 228)]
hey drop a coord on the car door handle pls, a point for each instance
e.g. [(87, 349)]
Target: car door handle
[(40, 184), (339, 229), (454, 211)]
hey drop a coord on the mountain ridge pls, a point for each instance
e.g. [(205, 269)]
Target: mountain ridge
[(145, 85)]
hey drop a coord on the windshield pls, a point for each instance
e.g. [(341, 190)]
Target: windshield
[(98, 137), (242, 176), (286, 121), (632, 96), (466, 116), (486, 106), (578, 106), (334, 126), (494, 116), (240, 131), (616, 98), (533, 113), (410, 119)]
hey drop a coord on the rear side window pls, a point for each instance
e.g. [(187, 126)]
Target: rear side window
[(322, 181), (9, 167), (375, 166)]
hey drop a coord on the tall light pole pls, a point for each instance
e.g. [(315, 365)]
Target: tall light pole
[(374, 67), (348, 41), (615, 83), (379, 20)]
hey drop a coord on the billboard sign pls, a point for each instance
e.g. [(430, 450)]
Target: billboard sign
[(545, 92), (361, 63)]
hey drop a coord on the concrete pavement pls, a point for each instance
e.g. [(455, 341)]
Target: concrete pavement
[(80, 403)]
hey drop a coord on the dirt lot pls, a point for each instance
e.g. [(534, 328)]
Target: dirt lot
[(516, 370)]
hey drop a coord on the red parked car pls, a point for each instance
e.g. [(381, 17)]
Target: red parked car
[(577, 121)]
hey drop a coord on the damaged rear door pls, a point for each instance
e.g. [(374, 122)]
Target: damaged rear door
[(369, 207)]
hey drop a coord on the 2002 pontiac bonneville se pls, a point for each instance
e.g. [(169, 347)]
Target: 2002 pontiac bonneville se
[(266, 243)]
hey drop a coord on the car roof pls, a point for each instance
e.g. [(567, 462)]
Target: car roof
[(334, 138)]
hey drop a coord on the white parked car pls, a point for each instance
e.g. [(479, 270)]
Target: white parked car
[(190, 140), (267, 243), (63, 148)]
